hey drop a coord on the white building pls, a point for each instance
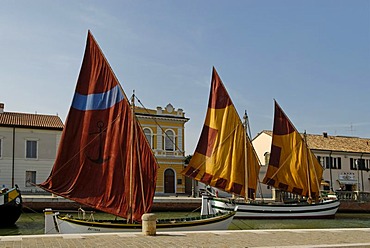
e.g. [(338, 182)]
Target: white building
[(28, 146), (346, 160)]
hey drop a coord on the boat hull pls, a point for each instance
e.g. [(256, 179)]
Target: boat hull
[(10, 207), (325, 209), (54, 223)]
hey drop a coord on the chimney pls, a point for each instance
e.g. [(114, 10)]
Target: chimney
[(325, 134), (1, 108)]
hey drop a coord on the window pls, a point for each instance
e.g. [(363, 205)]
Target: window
[(360, 164), (30, 178), (169, 141), (352, 164), (267, 158), (148, 135), (336, 163), (31, 149)]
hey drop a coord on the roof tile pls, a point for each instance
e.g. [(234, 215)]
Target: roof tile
[(336, 143), (31, 120)]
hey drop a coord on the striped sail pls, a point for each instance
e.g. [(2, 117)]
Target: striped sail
[(292, 166), (224, 157)]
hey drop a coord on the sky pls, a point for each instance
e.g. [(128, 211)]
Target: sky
[(313, 57)]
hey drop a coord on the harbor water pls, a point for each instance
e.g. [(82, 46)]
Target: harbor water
[(33, 223)]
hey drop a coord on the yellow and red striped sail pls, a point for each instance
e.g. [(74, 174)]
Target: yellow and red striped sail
[(292, 166), (224, 157)]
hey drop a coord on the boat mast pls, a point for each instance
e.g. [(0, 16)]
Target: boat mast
[(245, 124), (308, 169), (130, 218)]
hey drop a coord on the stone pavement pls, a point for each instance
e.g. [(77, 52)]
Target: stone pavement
[(352, 237)]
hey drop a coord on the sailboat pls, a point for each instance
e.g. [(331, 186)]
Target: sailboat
[(10, 206), (225, 159), (105, 162)]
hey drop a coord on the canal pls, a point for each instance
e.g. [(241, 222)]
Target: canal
[(33, 223)]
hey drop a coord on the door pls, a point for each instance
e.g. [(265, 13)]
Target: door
[(169, 181)]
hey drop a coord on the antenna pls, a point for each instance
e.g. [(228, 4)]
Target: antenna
[(351, 129)]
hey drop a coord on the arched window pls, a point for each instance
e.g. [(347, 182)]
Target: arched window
[(169, 141), (149, 136), (267, 158)]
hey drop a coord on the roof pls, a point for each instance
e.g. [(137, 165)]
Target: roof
[(37, 121), (335, 143)]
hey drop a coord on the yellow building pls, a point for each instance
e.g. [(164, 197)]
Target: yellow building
[(165, 129)]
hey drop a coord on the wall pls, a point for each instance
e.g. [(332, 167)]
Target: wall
[(47, 146)]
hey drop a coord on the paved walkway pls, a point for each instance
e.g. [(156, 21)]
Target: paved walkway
[(354, 237)]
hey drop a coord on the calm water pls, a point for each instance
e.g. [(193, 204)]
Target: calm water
[(33, 223)]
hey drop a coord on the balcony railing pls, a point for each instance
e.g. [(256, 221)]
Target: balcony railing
[(353, 196)]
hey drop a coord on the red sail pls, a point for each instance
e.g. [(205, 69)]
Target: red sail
[(102, 145)]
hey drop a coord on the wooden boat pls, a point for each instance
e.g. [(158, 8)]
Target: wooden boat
[(104, 160), (10, 206), (225, 159)]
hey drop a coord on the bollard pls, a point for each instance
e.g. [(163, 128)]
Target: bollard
[(149, 224)]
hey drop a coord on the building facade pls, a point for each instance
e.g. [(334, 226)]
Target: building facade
[(28, 146), (346, 160), (164, 129)]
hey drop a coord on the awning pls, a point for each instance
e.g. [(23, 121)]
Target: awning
[(325, 183), (350, 182)]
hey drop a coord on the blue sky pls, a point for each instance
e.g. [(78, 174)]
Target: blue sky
[(313, 57)]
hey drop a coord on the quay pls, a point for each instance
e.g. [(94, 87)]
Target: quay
[(161, 203), (165, 203), (298, 238)]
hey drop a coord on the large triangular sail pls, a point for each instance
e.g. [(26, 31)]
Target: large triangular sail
[(104, 160), (224, 157), (292, 165)]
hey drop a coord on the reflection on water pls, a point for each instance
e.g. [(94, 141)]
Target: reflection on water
[(33, 223)]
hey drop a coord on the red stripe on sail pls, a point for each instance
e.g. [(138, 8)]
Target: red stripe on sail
[(282, 125), (236, 188), (269, 181), (207, 141), (219, 97), (206, 178), (221, 183), (283, 186), (297, 191), (191, 172), (275, 156)]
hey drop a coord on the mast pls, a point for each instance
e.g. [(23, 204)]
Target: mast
[(130, 218), (138, 151), (308, 169), (245, 124)]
